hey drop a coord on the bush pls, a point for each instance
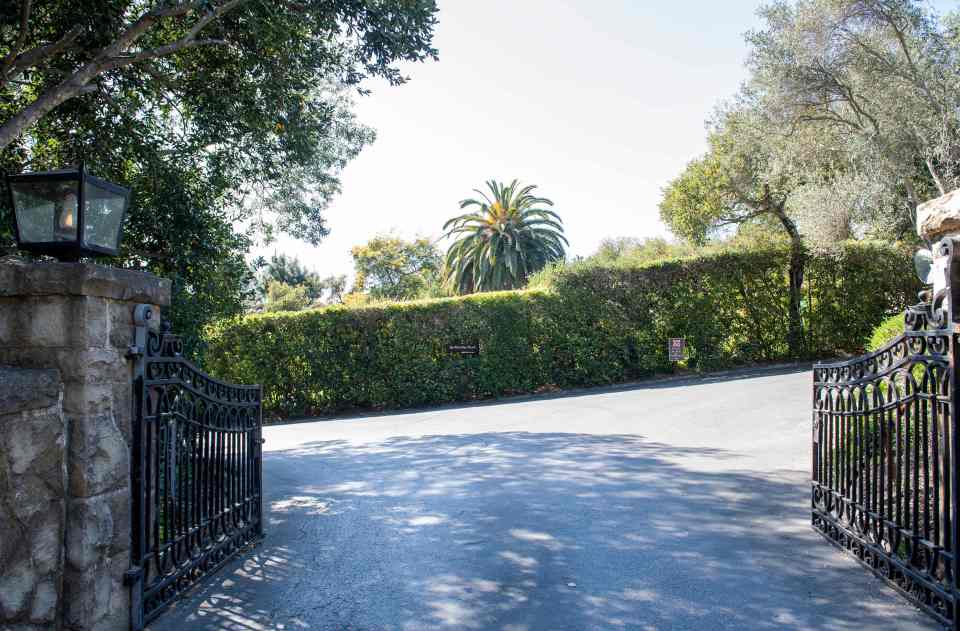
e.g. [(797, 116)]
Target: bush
[(585, 324), (384, 356), (891, 328)]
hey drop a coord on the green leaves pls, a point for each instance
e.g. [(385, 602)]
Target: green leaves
[(390, 268), (284, 297), (509, 237), (222, 144), (591, 324)]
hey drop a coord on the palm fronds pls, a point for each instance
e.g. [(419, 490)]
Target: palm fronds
[(508, 235)]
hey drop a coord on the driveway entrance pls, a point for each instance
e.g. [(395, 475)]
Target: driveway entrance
[(679, 505)]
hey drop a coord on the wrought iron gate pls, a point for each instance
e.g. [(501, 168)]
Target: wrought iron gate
[(885, 450), (196, 469)]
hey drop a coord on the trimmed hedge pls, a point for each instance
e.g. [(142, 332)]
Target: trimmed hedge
[(585, 325)]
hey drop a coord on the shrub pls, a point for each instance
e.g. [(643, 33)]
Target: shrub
[(850, 290), (889, 329), (384, 356), (585, 324)]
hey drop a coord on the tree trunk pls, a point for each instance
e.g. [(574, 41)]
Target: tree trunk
[(795, 342), (795, 322)]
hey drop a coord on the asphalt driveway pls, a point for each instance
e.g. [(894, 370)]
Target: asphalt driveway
[(680, 505)]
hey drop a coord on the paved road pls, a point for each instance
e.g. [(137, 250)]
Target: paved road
[(672, 506)]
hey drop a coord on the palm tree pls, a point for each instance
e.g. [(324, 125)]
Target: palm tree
[(508, 236)]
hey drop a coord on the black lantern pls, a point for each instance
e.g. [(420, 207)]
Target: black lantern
[(67, 213)]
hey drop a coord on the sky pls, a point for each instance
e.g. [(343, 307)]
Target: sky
[(598, 102)]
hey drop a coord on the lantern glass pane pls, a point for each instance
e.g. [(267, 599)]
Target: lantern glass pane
[(46, 210), (102, 215)]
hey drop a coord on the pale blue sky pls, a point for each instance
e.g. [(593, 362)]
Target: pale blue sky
[(599, 102)]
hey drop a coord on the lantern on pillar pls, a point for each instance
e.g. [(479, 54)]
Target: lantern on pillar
[(67, 213)]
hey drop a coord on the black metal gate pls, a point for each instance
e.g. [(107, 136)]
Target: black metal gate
[(885, 449), (196, 471)]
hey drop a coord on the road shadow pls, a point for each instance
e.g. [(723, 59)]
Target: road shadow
[(536, 531)]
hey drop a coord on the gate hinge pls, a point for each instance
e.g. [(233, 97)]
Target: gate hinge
[(142, 315)]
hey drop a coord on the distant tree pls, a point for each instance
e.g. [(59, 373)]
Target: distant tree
[(337, 285), (874, 87), (509, 235), (356, 299), (636, 250), (283, 297), (739, 180), (388, 267), (288, 270)]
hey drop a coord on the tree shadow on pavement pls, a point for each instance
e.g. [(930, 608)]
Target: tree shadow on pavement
[(536, 531)]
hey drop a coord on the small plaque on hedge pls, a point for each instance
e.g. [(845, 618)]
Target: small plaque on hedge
[(465, 350), (677, 349)]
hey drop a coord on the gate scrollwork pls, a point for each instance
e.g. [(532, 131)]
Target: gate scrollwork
[(196, 470), (885, 453)]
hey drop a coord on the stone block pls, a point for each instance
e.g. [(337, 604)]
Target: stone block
[(16, 586), (96, 598), (44, 606), (24, 389), (29, 498), (120, 324), (123, 406), (20, 277), (28, 438), (48, 322), (89, 533), (10, 311), (91, 366), (90, 322), (88, 399), (939, 217), (99, 457), (46, 551)]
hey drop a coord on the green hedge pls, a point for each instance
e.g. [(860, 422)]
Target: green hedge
[(889, 329), (586, 324)]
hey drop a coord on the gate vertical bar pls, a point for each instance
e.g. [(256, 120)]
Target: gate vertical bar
[(947, 251), (813, 451), (142, 316), (954, 470), (258, 483)]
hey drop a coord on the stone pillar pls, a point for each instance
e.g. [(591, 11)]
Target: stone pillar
[(938, 219), (33, 482), (78, 319)]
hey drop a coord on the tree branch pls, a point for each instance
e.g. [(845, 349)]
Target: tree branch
[(21, 39), (36, 56), (936, 176), (163, 51), (107, 59), (40, 54), (175, 10)]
